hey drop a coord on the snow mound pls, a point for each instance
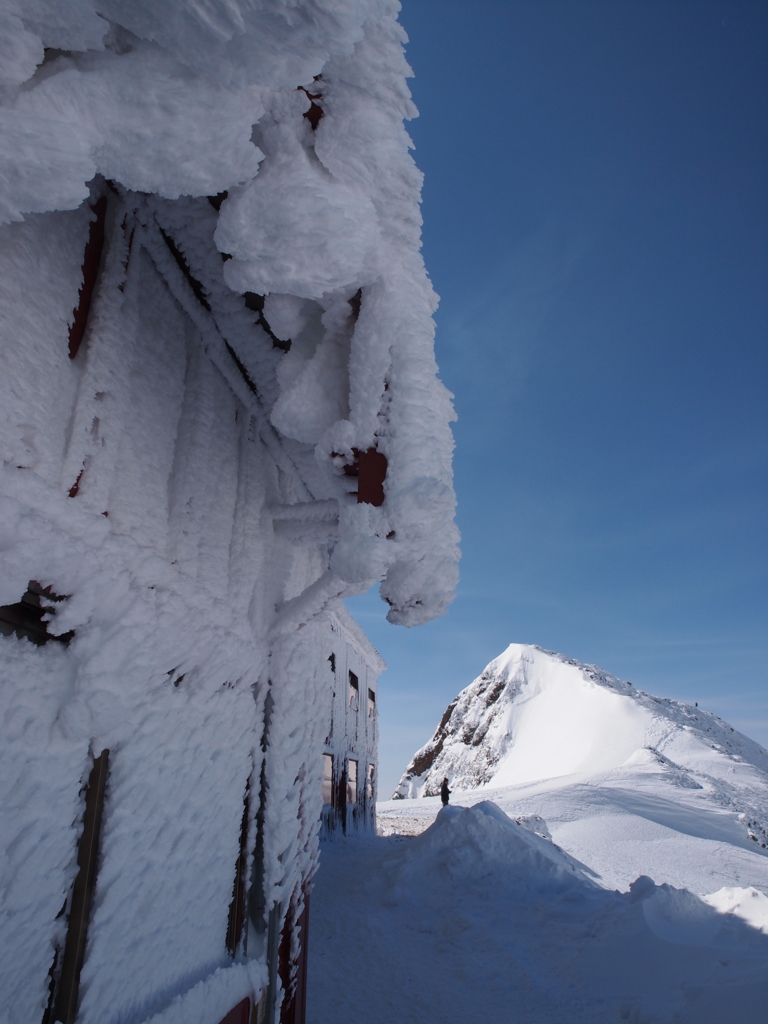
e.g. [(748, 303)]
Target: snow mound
[(471, 843), (533, 715), (679, 916)]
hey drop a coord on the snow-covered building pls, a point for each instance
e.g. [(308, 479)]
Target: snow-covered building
[(219, 417), (350, 751)]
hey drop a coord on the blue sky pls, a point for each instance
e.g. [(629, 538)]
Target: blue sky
[(596, 224)]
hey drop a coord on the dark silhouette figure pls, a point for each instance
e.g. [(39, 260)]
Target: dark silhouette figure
[(444, 792)]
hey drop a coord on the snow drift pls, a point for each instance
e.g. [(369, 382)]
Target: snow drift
[(479, 918), (468, 844)]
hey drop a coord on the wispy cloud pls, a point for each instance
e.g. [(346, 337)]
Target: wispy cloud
[(494, 330)]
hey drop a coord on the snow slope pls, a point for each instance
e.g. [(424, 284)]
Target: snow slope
[(534, 715), (604, 859), (629, 783), (481, 919)]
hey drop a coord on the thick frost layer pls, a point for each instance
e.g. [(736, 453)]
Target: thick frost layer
[(161, 97), (321, 217), (185, 474)]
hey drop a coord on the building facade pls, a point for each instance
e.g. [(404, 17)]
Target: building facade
[(350, 761), (219, 417)]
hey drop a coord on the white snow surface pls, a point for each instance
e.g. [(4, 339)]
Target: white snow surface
[(604, 858), (478, 919), (749, 904)]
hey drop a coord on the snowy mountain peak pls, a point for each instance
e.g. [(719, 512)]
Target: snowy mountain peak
[(533, 714)]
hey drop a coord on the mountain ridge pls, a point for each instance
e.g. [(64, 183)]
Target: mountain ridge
[(534, 714)]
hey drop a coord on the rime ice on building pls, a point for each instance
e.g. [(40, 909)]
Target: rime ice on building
[(219, 416), (349, 752)]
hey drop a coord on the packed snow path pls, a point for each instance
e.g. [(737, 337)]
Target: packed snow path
[(481, 919)]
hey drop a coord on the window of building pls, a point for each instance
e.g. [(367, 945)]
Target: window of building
[(371, 703), (369, 780), (327, 780), (352, 782), (354, 691)]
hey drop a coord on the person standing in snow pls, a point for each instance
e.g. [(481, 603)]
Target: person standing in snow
[(445, 792)]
